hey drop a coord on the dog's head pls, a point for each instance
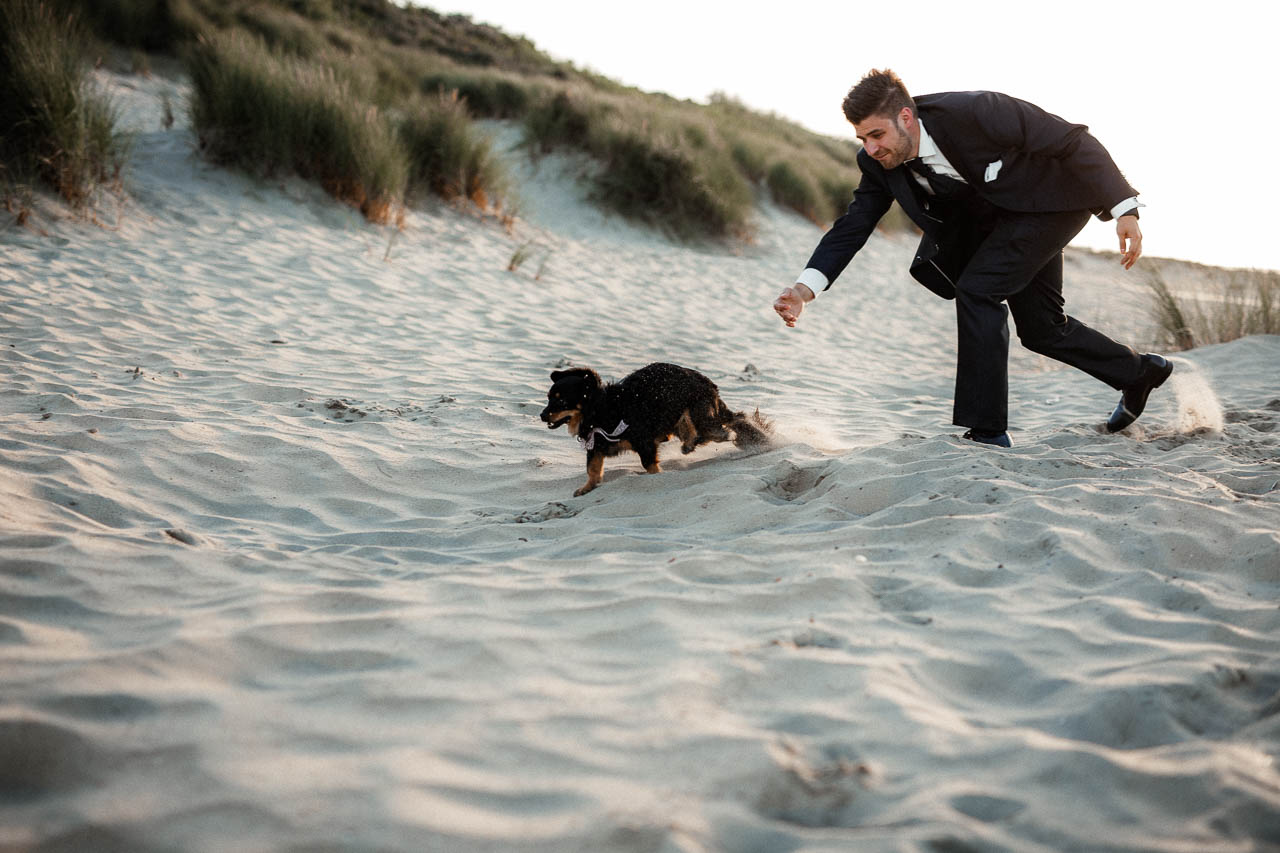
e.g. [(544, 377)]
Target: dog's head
[(571, 391)]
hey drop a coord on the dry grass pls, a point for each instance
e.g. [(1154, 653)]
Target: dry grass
[(1231, 304)]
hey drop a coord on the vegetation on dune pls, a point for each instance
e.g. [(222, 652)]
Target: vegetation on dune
[(264, 111), (486, 94), (376, 102), (661, 165), (1227, 304), (148, 25), (445, 154), (54, 128)]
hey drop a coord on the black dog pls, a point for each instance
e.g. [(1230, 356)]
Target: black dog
[(642, 411)]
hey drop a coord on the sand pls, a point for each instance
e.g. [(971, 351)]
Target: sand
[(288, 561)]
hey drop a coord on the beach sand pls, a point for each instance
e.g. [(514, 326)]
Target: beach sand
[(290, 563)]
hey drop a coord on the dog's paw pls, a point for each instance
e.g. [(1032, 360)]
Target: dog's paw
[(582, 491)]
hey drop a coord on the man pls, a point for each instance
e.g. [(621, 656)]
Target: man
[(999, 187)]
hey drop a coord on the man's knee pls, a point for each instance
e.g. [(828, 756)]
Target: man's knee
[(1044, 335)]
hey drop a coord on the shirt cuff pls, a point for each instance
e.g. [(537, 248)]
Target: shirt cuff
[(1127, 206), (814, 280)]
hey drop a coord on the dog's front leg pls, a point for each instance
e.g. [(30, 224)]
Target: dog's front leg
[(649, 458), (595, 473)]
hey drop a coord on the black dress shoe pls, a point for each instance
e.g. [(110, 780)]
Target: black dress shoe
[(1155, 370), (999, 439)]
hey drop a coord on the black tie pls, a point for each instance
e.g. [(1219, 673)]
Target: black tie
[(918, 166), (939, 184)]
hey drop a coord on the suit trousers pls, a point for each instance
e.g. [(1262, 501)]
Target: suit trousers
[(1015, 267)]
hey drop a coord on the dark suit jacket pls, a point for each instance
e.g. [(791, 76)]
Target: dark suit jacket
[(1046, 164)]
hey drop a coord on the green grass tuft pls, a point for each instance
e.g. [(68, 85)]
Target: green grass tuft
[(54, 127), (667, 167), (447, 157), (791, 188), (670, 188), (562, 120), (267, 112), (283, 30), (488, 96), (150, 25)]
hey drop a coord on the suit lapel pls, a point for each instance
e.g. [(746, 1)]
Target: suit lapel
[(939, 133)]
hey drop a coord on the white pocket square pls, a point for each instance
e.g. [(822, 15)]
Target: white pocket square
[(993, 169)]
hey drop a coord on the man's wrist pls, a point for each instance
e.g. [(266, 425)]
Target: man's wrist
[(803, 291), (813, 280), (1128, 207)]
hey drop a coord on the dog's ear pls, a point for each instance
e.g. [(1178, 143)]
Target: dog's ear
[(586, 374)]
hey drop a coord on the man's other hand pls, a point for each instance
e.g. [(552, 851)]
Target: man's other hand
[(791, 303), (1130, 240)]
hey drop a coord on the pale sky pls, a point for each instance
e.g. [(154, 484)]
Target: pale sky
[(1180, 93)]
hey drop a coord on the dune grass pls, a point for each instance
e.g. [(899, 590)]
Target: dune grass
[(267, 112), (663, 166), (54, 127), (446, 156), (794, 189), (694, 170), (666, 184), (375, 101), (486, 94), (1229, 305), (147, 25)]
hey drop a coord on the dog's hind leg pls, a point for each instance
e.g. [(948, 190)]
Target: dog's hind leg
[(688, 433), (712, 425)]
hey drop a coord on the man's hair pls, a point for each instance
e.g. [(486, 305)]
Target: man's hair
[(879, 93)]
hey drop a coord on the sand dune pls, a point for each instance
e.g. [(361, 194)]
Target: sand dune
[(289, 562)]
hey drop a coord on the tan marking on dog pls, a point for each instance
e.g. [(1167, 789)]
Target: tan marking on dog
[(595, 473), (573, 415)]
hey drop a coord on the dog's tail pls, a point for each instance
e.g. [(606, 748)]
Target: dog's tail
[(749, 430)]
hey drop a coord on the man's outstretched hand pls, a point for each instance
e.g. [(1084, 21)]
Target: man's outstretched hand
[(791, 303), (1130, 240)]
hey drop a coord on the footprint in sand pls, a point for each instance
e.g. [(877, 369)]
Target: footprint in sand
[(819, 790), (789, 482)]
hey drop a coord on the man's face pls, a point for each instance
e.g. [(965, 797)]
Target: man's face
[(887, 140)]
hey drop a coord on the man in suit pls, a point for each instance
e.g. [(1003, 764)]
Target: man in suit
[(999, 187)]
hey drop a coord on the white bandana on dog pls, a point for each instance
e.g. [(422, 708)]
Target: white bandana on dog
[(590, 441)]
